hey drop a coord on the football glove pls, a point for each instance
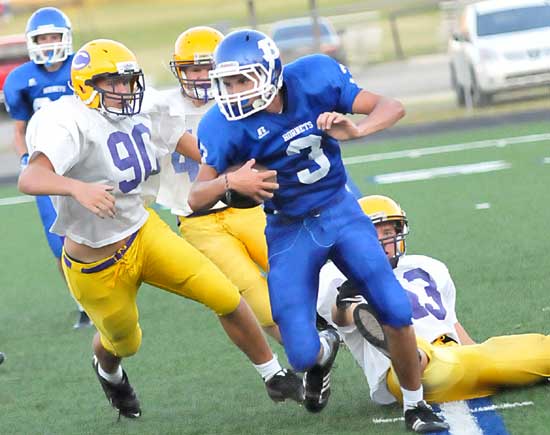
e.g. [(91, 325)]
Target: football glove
[(347, 294)]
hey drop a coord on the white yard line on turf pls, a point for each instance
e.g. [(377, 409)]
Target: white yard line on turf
[(460, 418), (444, 171), (475, 410), (419, 152), (16, 200)]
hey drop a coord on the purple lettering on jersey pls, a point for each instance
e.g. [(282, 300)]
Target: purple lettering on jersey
[(80, 60), (182, 164), (132, 161), (137, 133), (419, 310)]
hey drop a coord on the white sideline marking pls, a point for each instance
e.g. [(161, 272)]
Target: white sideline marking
[(444, 171), (419, 152), (546, 160), (483, 206), (16, 200), (460, 418), (502, 406), (474, 410)]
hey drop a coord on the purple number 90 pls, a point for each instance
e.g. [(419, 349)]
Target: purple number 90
[(132, 160)]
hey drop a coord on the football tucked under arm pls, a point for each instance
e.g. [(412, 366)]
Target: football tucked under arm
[(235, 199)]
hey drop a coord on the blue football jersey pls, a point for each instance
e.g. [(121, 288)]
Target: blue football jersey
[(309, 166), (29, 86)]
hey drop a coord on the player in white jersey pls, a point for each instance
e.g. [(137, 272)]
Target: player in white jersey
[(454, 366), (93, 152), (232, 238)]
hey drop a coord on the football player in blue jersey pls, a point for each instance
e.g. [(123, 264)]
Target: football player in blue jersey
[(291, 123), (32, 85)]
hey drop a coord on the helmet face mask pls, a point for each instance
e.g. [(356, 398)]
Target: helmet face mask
[(112, 100), (196, 89), (255, 56), (195, 47), (397, 241), (238, 105), (383, 210), (105, 75), (49, 21)]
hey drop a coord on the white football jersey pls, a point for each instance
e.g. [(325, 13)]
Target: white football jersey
[(432, 294), (178, 172), (120, 151)]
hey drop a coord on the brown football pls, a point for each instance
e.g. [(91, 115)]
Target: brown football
[(237, 200), (257, 167)]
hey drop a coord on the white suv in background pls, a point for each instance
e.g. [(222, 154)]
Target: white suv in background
[(501, 45)]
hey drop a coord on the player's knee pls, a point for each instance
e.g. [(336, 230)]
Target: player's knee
[(128, 345), (261, 308), (301, 342)]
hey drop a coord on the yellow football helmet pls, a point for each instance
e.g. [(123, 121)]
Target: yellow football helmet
[(381, 209), (195, 46), (114, 66)]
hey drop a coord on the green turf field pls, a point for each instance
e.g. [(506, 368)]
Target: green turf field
[(191, 380)]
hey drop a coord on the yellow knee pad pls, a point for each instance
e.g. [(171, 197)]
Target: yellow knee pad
[(123, 346)]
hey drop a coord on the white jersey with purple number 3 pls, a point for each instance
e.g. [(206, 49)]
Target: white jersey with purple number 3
[(120, 151), (177, 171), (432, 293)]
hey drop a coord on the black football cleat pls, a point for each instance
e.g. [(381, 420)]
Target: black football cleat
[(423, 419), (121, 396), (317, 378), (2, 357), (83, 321), (285, 384)]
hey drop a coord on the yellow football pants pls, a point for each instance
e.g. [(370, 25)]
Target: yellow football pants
[(466, 372), (157, 256), (234, 240)]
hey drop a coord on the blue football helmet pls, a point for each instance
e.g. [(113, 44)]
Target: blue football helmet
[(255, 56), (45, 21)]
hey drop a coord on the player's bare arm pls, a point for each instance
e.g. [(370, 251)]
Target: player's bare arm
[(343, 316), (209, 186), (463, 335), (207, 189), (39, 178), (188, 146), (383, 112)]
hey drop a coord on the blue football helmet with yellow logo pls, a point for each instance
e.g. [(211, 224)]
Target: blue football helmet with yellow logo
[(255, 56)]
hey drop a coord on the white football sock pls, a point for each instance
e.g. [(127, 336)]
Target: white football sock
[(267, 370), (113, 378), (411, 398)]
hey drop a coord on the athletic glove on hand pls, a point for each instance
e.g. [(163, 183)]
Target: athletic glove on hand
[(347, 294)]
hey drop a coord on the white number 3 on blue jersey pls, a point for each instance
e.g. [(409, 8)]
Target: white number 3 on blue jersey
[(306, 176)]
